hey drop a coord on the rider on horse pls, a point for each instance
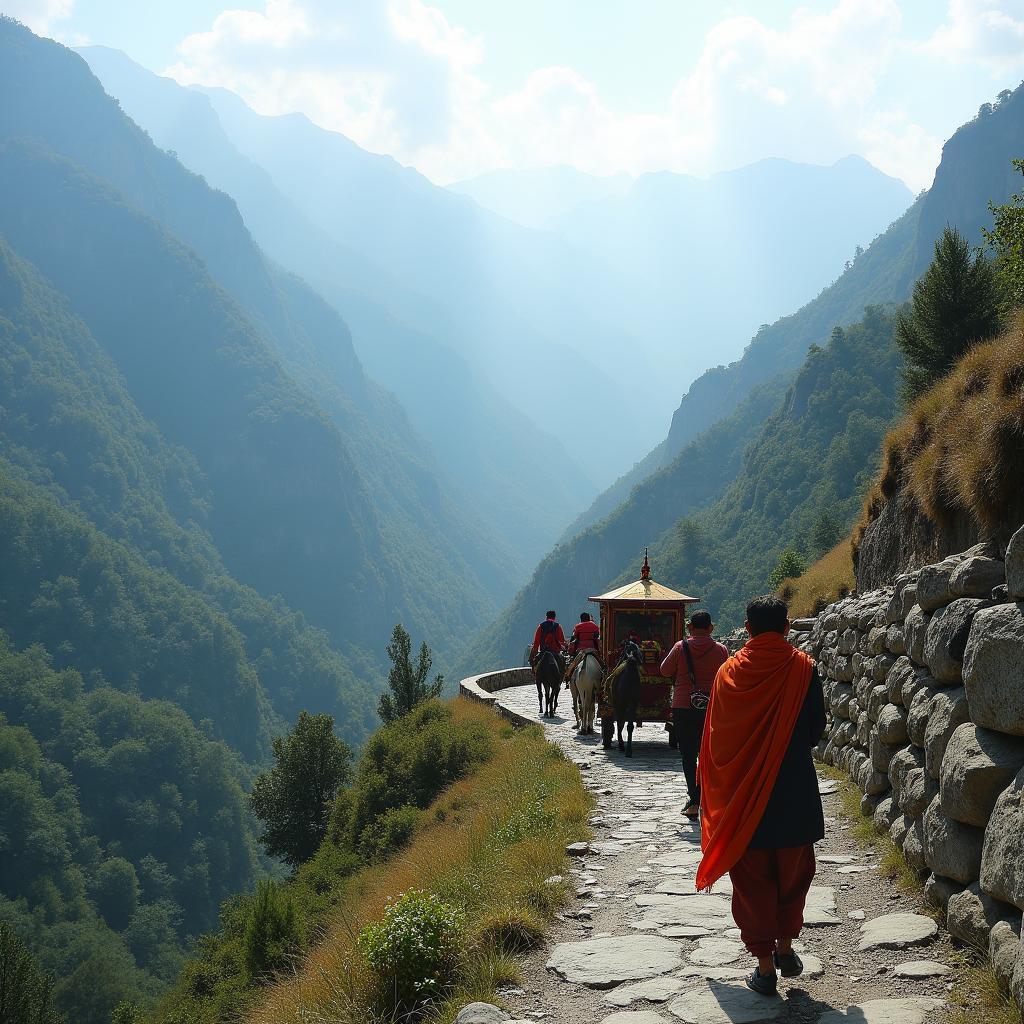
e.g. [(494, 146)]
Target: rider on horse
[(586, 636), (549, 637)]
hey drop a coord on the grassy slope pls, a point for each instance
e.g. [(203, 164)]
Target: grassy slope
[(486, 846), (830, 578)]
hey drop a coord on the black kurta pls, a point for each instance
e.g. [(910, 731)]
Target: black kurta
[(794, 816)]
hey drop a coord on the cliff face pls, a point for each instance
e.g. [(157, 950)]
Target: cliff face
[(926, 714)]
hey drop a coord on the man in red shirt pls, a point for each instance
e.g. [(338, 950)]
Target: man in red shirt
[(693, 676), (586, 636), (549, 636)]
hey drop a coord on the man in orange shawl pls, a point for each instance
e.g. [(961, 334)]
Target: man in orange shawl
[(760, 808)]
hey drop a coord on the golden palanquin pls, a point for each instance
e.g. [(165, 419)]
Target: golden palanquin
[(655, 616)]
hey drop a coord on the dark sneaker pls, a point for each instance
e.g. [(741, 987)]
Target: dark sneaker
[(763, 986), (789, 965), (692, 809)]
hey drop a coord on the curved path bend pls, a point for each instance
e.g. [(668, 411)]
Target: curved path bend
[(636, 945)]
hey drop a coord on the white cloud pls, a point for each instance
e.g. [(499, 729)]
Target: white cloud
[(39, 15), (986, 32), (400, 78)]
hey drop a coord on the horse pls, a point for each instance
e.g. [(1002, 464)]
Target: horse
[(626, 694), (548, 673), (585, 684)]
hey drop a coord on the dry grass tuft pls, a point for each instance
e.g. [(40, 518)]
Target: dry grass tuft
[(977, 996), (486, 846), (959, 451), (830, 578)]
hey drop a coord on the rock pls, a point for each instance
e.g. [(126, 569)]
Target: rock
[(726, 1004), (897, 931), (701, 911), (885, 814), (946, 639), (1015, 570), (913, 845), (919, 711), (902, 671), (634, 1017), (977, 766), (1003, 949), (481, 1013), (920, 969), (842, 693), (877, 699), (872, 782), (654, 990), (934, 587), (919, 790), (939, 890), (1017, 981), (950, 848), (600, 963), (971, 914), (883, 753), (1002, 859), (898, 830), (715, 951), (895, 641), (915, 629), (847, 642), (992, 668), (908, 758), (977, 576), (912, 1010), (904, 597), (948, 711), (577, 849), (892, 725)]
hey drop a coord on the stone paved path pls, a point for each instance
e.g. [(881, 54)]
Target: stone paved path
[(637, 945)]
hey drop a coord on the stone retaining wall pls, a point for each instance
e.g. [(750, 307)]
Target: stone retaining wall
[(483, 687), (924, 682)]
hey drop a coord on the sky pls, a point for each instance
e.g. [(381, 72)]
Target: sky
[(457, 88)]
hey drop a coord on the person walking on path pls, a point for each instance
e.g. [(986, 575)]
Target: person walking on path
[(760, 807), (693, 664)]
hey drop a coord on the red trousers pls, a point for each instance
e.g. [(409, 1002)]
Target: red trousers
[(769, 889)]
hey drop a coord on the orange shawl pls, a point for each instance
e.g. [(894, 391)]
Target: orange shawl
[(755, 701)]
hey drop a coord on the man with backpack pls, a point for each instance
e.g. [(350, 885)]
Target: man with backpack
[(549, 636), (693, 664)]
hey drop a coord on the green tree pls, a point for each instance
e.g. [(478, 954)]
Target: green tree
[(270, 930), (826, 532), (116, 891), (407, 683), (294, 798), (955, 305), (1006, 239), (790, 565), (26, 994)]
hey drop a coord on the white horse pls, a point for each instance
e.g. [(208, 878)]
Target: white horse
[(585, 685)]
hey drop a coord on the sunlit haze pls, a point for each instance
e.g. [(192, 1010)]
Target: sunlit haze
[(460, 87)]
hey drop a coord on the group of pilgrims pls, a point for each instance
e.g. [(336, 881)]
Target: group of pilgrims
[(746, 727)]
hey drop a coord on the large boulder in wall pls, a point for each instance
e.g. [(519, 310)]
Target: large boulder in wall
[(1003, 950), (934, 583), (915, 630), (919, 790), (950, 848), (994, 668), (948, 712), (971, 914), (1015, 570), (892, 724), (977, 576), (946, 639), (909, 758), (977, 766), (1002, 860), (919, 712)]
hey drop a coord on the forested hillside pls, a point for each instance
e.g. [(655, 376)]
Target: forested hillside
[(723, 412), (210, 520)]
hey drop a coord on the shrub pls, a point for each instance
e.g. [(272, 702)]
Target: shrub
[(26, 993), (415, 949), (390, 832), (270, 931), (411, 761)]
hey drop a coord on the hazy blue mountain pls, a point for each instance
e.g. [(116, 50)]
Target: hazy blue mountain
[(485, 443), (719, 462), (540, 196), (337, 506)]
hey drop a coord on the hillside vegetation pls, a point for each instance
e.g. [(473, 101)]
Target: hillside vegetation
[(470, 846)]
